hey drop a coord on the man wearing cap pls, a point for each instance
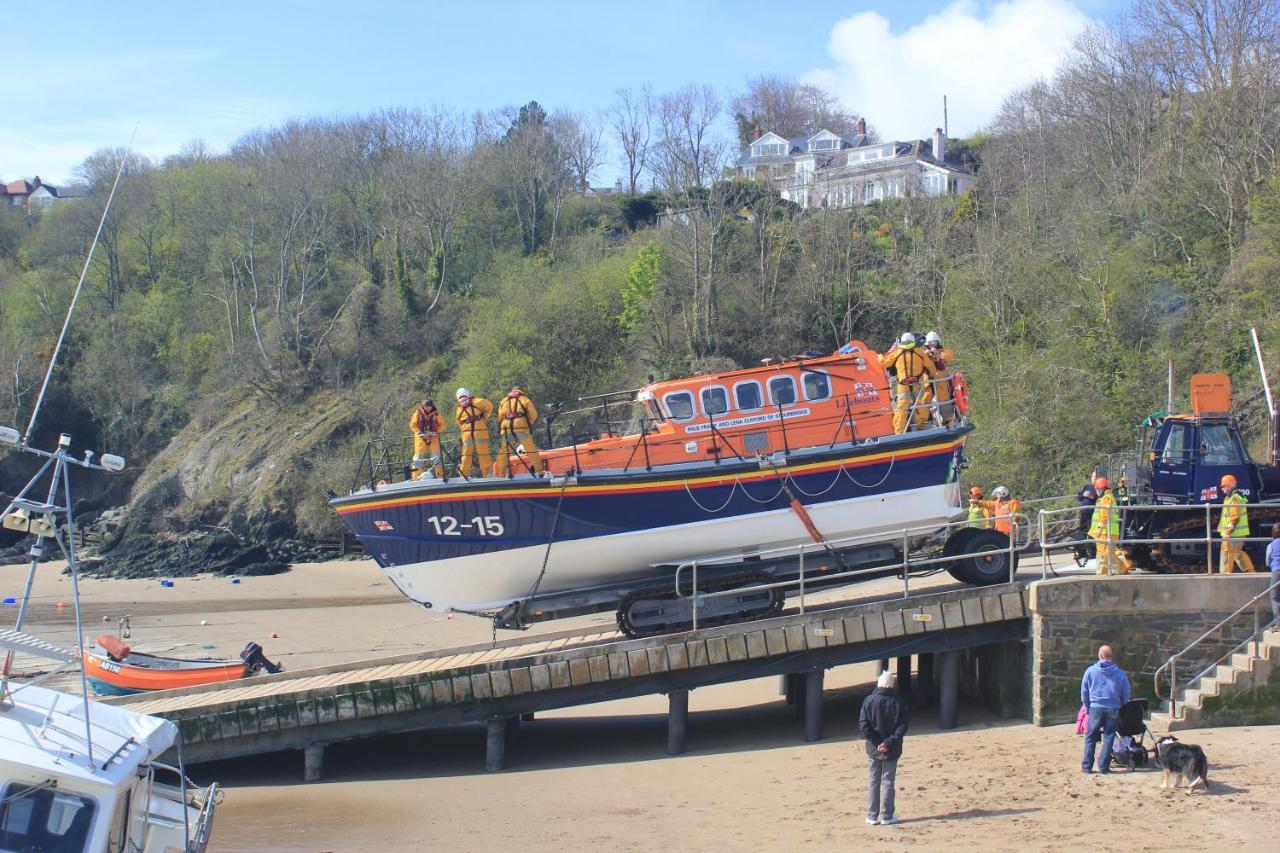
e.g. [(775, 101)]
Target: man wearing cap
[(426, 423), (913, 370), (473, 415), (883, 722)]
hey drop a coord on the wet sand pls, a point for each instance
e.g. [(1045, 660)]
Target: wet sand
[(597, 777)]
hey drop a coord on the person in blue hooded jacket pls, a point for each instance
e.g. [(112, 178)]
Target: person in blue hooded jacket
[(1103, 689)]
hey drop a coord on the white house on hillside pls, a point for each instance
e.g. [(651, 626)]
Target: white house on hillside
[(829, 170)]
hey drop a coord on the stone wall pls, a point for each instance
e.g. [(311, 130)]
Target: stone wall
[(1145, 618), (998, 676)]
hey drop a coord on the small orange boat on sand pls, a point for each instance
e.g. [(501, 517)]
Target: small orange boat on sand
[(114, 669)]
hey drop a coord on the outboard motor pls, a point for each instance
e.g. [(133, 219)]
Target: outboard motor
[(254, 657)]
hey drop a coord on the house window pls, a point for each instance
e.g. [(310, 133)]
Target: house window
[(748, 171), (824, 144), (817, 386), (715, 400), (679, 405), (747, 395), (782, 390), (769, 149)]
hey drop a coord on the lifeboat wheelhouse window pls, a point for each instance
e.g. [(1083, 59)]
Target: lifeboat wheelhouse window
[(747, 396), (679, 405), (715, 400), (817, 386), (782, 390)]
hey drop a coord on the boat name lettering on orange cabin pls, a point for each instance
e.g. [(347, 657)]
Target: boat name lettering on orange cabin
[(753, 419)]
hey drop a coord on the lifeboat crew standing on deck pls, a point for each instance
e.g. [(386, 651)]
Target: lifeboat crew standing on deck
[(426, 423), (516, 416), (940, 388), (1234, 528), (914, 369), (473, 423)]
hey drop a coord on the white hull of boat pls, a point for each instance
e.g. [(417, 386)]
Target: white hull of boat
[(494, 580)]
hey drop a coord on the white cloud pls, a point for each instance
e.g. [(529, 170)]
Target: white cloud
[(897, 80)]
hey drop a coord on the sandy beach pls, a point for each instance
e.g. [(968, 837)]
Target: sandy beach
[(597, 777)]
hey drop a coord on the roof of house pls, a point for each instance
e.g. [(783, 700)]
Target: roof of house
[(921, 149), (19, 187)]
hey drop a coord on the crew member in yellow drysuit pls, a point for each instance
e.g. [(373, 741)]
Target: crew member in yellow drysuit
[(516, 417), (426, 423), (939, 390), (913, 369), (473, 423), (1233, 527), (1104, 530)]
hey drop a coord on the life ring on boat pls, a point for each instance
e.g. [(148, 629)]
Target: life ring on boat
[(960, 393)]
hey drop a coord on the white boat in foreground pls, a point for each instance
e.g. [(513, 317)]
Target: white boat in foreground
[(56, 796)]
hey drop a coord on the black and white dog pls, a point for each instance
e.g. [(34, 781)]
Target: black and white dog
[(1182, 762)]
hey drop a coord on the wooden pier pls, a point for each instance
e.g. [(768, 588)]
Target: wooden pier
[(497, 684)]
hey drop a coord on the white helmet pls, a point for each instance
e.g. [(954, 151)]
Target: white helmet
[(1000, 492), (464, 392), (907, 341), (931, 339)]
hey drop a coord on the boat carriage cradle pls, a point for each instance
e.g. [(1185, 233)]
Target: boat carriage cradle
[(722, 468)]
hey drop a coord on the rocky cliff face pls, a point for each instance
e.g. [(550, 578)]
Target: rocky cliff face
[(236, 490)]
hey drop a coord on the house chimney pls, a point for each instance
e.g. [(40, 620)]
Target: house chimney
[(861, 127), (759, 132), (939, 145)]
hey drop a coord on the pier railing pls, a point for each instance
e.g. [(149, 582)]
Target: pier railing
[(923, 561)]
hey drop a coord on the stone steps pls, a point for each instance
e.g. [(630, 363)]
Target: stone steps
[(1251, 669)]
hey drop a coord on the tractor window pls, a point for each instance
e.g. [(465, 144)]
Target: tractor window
[(1217, 447), (1176, 451)]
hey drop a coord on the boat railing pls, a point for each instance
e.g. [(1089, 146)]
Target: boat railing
[(1059, 530), (832, 549)]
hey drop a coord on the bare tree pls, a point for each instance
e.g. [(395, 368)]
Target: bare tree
[(788, 108), (533, 175), (580, 137), (688, 153), (631, 118)]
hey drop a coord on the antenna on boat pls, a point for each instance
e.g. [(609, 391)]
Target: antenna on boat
[(52, 518)]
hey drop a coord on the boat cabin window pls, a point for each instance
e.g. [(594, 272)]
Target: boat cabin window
[(1217, 447), (654, 411), (782, 390), (748, 396), (715, 400), (44, 819), (679, 405), (817, 386)]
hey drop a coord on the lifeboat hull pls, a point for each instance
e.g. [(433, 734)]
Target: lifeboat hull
[(481, 545)]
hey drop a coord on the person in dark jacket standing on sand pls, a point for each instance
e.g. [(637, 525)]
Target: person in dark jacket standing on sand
[(883, 722)]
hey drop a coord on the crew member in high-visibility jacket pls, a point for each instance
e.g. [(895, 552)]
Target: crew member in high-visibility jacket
[(1233, 527), (938, 392), (1002, 510), (473, 423), (914, 370), (1104, 530), (978, 515), (426, 423), (516, 417)]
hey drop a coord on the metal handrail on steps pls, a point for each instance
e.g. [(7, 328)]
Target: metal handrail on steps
[(1171, 665)]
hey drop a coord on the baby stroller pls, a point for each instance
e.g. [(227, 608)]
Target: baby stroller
[(1130, 749)]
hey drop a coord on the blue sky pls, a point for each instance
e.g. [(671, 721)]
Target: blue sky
[(78, 76)]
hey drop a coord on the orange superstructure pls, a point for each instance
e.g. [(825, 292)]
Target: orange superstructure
[(777, 407)]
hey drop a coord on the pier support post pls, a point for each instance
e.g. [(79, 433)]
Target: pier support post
[(312, 763), (924, 679), (813, 705), (904, 675), (495, 745), (677, 721), (526, 717), (949, 690)]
